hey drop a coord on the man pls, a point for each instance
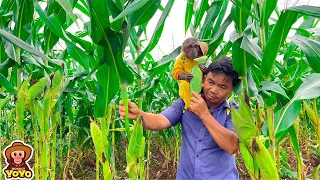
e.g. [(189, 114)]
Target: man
[(208, 138)]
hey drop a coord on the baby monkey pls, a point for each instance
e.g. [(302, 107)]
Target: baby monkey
[(191, 48)]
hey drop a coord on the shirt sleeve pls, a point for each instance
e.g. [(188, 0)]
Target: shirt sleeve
[(174, 112), (228, 123)]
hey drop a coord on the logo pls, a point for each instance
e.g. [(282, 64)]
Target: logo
[(17, 156)]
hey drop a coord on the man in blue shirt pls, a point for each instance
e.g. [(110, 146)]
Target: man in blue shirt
[(208, 137)]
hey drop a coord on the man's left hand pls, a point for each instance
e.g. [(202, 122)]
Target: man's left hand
[(198, 106)]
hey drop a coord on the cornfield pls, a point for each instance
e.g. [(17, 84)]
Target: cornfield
[(60, 87)]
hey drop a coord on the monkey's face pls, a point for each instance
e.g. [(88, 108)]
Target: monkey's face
[(191, 48)]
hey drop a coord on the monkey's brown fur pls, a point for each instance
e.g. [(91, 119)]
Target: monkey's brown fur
[(191, 49)]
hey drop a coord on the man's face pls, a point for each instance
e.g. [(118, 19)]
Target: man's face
[(217, 88)]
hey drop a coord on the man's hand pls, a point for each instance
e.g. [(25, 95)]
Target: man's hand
[(134, 111), (185, 76), (203, 68), (198, 106)]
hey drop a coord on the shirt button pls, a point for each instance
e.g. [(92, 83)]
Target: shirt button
[(200, 140), (197, 156)]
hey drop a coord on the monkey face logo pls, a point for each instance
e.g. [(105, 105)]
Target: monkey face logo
[(17, 156)]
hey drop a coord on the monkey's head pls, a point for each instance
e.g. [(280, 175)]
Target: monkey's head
[(191, 48)]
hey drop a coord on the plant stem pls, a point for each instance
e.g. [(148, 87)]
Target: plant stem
[(54, 121), (317, 126), (271, 131), (35, 139), (125, 104), (66, 168)]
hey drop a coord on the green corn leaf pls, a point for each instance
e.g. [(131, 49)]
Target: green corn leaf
[(265, 162), (20, 106), (4, 102), (52, 22), (247, 158), (240, 14), (277, 38), (196, 81), (222, 30), (251, 47), (6, 64), (135, 140), (23, 15), (98, 22), (188, 16), (36, 89), (241, 59), (78, 55), (83, 9), (313, 11), (66, 5), (6, 84), (295, 142), (56, 88), (243, 128), (134, 6), (245, 110), (200, 12), (225, 50), (244, 7), (96, 135), (286, 116), (271, 86), (252, 87), (311, 49), (221, 17), (306, 24), (115, 11), (201, 60), (39, 113), (106, 80), (144, 14), (27, 47), (142, 148), (164, 62), (157, 32), (310, 114), (212, 14), (268, 7)]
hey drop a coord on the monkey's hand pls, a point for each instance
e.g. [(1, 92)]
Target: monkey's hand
[(203, 68), (185, 76)]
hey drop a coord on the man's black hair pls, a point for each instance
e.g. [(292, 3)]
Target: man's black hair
[(224, 65)]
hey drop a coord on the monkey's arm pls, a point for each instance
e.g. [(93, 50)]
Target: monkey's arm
[(177, 68)]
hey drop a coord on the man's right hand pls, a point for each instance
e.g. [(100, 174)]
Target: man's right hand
[(133, 113), (185, 76)]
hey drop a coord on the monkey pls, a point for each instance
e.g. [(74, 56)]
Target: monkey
[(191, 48)]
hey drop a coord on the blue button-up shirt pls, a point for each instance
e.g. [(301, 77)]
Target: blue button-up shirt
[(200, 156)]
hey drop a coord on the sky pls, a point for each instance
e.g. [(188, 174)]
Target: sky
[(173, 32)]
